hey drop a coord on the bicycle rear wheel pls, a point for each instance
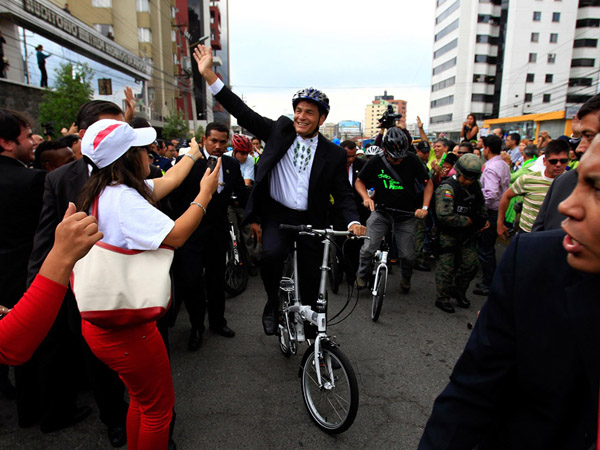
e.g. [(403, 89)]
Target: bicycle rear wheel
[(333, 405), (236, 278), (379, 296)]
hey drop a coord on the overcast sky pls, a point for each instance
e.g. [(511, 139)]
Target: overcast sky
[(350, 49)]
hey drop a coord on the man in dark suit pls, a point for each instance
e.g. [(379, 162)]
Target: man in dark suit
[(297, 173), (55, 357), (528, 377), (204, 252), (21, 192)]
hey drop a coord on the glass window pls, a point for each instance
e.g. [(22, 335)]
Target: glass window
[(446, 48), (173, 36), (104, 28), (528, 97), (537, 16), (535, 37), (556, 17), (444, 66), (553, 38), (549, 78), (532, 57), (583, 23), (142, 5), (443, 84), (144, 35), (453, 26), (583, 62), (453, 7), (547, 98), (551, 58), (530, 77), (585, 43), (449, 100), (102, 3)]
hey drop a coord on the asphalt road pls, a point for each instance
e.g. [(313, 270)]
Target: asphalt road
[(243, 393)]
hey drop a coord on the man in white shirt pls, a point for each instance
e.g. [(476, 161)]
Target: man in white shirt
[(298, 172)]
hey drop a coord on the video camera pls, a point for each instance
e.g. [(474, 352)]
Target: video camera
[(389, 117)]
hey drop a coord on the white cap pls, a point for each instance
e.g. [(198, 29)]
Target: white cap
[(107, 140)]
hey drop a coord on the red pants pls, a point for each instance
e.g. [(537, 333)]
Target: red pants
[(139, 356)]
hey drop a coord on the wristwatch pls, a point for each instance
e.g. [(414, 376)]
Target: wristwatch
[(425, 208)]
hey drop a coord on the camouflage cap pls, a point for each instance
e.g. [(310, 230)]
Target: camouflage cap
[(469, 166)]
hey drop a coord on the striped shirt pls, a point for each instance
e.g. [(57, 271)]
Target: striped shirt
[(533, 187)]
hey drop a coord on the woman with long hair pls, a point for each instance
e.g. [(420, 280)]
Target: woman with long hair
[(128, 218), (469, 129)]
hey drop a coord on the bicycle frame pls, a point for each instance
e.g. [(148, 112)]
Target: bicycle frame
[(381, 261), (234, 242), (304, 313)]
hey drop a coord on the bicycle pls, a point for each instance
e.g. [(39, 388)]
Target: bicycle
[(380, 259), (329, 386), (236, 274)]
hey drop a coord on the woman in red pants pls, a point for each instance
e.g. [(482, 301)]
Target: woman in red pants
[(128, 219)]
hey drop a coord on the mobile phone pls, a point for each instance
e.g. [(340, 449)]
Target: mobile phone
[(212, 162)]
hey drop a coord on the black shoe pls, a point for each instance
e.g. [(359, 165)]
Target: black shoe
[(485, 291), (422, 267), (78, 415), (269, 322), (195, 340), (461, 299), (7, 389), (480, 285), (445, 306), (224, 331), (117, 436)]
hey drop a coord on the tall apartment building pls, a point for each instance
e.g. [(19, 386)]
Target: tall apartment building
[(377, 107), (502, 58)]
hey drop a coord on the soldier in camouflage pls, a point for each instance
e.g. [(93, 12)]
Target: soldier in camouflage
[(460, 210)]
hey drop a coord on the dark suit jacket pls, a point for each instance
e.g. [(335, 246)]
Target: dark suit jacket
[(63, 185), (548, 217), (215, 223), (21, 191), (328, 175), (528, 377)]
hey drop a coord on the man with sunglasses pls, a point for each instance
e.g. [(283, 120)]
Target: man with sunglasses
[(549, 218), (534, 186)]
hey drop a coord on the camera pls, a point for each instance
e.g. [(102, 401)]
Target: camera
[(389, 117)]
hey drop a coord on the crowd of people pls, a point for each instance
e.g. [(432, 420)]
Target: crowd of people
[(110, 183)]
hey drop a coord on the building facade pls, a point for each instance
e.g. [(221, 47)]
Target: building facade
[(377, 107), (497, 58)]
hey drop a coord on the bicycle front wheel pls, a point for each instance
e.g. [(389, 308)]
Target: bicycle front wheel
[(379, 290), (333, 404), (236, 278)]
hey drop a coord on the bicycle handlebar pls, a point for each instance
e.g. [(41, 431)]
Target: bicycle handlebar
[(382, 207), (308, 229)]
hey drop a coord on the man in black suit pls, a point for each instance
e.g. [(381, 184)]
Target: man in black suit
[(21, 192), (55, 357), (528, 377), (204, 252), (297, 173)]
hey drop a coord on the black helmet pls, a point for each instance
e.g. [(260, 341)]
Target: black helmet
[(469, 166), (395, 143), (314, 96)]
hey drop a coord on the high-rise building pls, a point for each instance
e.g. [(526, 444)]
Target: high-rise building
[(377, 107), (499, 58)]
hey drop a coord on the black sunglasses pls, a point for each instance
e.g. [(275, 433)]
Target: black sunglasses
[(555, 161)]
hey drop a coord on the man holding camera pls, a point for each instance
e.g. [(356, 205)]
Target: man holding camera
[(204, 252)]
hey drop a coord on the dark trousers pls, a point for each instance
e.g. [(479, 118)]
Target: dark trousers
[(486, 249), (44, 80), (47, 384), (277, 245), (199, 280)]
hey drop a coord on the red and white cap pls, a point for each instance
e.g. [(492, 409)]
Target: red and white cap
[(107, 140)]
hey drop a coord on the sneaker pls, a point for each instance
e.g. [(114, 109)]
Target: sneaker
[(485, 291), (361, 283), (405, 285)]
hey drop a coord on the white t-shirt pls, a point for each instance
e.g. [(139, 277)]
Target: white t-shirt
[(129, 221), (247, 168)]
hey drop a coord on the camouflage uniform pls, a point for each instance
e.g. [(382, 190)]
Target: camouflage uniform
[(458, 262)]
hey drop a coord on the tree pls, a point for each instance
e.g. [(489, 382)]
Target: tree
[(199, 134), (176, 127), (72, 88)]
